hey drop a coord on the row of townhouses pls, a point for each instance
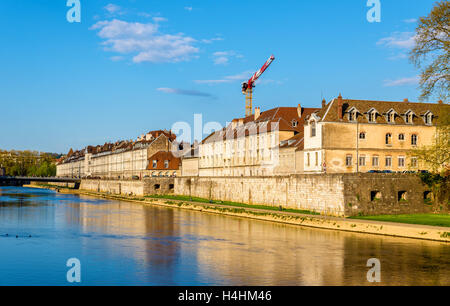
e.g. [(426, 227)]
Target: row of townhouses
[(152, 154), (342, 136)]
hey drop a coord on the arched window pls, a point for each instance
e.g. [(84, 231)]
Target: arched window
[(388, 138), (362, 135)]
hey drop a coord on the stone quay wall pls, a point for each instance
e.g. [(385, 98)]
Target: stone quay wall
[(328, 194), (148, 186), (319, 193)]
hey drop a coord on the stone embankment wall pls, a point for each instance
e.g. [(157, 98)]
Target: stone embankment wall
[(331, 194), (324, 194), (386, 194), (150, 186)]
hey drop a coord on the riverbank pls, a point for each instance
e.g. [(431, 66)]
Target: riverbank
[(414, 231)]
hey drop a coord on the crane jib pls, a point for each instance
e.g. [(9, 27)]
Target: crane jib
[(260, 71)]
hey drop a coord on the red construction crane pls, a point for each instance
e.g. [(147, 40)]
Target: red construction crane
[(247, 88)]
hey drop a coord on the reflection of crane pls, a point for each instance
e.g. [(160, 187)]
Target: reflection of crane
[(247, 88)]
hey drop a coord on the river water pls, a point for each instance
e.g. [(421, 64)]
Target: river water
[(120, 243)]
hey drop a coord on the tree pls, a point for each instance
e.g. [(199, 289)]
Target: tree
[(431, 53), (437, 156)]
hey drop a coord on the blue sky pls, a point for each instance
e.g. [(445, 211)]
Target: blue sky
[(132, 66)]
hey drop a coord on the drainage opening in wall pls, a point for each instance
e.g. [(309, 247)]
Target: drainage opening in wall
[(375, 195), (428, 197), (401, 196), (157, 186)]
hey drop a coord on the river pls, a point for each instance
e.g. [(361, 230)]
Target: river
[(121, 243)]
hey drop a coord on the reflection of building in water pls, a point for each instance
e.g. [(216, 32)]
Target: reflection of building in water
[(247, 252), (425, 258), (145, 234)]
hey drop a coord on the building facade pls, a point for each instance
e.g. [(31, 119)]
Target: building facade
[(121, 160), (251, 146), (348, 136)]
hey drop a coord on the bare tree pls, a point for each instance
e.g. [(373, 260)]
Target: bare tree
[(432, 52)]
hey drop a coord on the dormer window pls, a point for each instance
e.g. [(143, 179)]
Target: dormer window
[(372, 115), (409, 117), (352, 114), (428, 118), (313, 129), (294, 123), (390, 117)]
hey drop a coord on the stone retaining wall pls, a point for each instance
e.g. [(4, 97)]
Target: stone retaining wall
[(330, 194)]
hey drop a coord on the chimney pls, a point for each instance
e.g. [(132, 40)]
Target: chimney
[(340, 106), (257, 112), (324, 103), (299, 110), (406, 100), (440, 102)]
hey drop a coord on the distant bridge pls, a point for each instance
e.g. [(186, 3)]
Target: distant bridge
[(22, 180)]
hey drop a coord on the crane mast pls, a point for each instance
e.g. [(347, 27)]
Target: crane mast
[(247, 88)]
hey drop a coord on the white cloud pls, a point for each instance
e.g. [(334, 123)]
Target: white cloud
[(399, 40), (114, 9), (144, 41), (244, 76), (185, 92), (188, 8), (159, 19), (402, 82), (209, 41), (223, 57), (412, 20)]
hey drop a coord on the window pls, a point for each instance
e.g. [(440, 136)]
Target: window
[(351, 116), (362, 135), (317, 159), (313, 129), (429, 118), (401, 137), (401, 161), (348, 160), (414, 140), (388, 161), (362, 161), (409, 117), (294, 123), (166, 164), (414, 162), (388, 138), (308, 161), (372, 116), (390, 117), (155, 164), (375, 161)]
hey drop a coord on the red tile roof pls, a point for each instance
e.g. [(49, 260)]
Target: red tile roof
[(161, 157), (280, 118)]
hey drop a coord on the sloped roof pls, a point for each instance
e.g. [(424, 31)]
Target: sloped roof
[(161, 157), (330, 113), (280, 118)]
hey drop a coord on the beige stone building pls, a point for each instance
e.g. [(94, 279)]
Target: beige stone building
[(124, 159), (251, 146), (348, 136)]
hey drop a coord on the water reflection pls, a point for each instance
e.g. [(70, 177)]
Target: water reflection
[(127, 243)]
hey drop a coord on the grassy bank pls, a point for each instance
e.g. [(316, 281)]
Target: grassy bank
[(233, 204), (422, 219)]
